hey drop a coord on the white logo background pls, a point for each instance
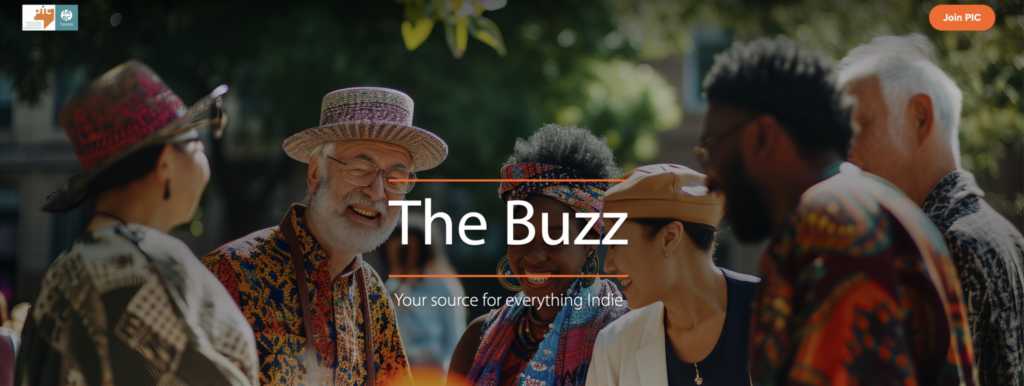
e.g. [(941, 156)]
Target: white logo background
[(28, 15)]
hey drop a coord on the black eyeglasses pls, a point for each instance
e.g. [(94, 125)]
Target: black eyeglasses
[(360, 172), (703, 152)]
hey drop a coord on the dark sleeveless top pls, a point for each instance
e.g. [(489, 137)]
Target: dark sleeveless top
[(727, 362)]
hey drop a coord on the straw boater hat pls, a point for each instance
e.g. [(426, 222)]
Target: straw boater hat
[(123, 111), (379, 114)]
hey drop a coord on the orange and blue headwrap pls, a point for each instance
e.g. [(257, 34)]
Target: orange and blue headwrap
[(582, 197)]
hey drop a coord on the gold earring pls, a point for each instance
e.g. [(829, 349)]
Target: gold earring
[(505, 268)]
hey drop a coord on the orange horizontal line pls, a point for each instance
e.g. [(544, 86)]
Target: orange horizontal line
[(499, 276), (503, 180)]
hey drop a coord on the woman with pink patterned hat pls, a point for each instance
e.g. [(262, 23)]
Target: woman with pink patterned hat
[(128, 304)]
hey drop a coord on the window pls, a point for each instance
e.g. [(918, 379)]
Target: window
[(66, 84), (707, 43), (6, 101), (9, 202)]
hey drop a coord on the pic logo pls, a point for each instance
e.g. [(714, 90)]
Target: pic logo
[(49, 17)]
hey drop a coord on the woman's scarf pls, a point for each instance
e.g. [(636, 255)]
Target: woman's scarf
[(563, 357), (582, 197)]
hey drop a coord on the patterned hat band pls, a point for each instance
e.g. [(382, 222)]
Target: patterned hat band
[(366, 104), (366, 111), (369, 113), (582, 197)]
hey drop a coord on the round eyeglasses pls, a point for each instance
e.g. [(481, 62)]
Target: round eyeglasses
[(703, 151), (361, 172)]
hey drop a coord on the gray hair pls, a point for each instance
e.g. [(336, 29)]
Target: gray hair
[(904, 66), (321, 152)]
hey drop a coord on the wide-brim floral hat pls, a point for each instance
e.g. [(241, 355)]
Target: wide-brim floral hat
[(127, 109), (369, 113)]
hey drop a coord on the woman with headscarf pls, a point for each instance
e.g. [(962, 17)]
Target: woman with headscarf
[(535, 344), (429, 333), (690, 318)]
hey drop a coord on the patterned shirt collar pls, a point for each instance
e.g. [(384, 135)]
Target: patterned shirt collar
[(955, 187), (311, 248)]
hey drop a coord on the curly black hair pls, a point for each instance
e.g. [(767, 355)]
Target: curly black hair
[(793, 84), (568, 146)]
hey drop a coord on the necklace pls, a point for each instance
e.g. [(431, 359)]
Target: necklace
[(526, 343), (698, 380)]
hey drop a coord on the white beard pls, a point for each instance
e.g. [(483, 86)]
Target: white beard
[(340, 234)]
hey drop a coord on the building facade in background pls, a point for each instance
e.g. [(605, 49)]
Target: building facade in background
[(35, 157)]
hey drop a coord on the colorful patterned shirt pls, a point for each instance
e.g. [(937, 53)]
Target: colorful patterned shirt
[(859, 288), (129, 305), (989, 254), (258, 272)]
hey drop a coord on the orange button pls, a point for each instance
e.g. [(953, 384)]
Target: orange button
[(962, 17)]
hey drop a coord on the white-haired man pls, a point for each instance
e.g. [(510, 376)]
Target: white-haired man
[(305, 277), (908, 111)]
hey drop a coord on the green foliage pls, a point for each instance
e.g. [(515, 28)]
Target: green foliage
[(552, 61), (281, 61), (461, 19), (571, 61), (988, 66)]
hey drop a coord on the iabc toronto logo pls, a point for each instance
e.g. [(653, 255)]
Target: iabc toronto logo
[(49, 17)]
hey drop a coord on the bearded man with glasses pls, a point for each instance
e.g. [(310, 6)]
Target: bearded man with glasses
[(320, 313)]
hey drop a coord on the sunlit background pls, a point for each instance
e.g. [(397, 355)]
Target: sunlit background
[(482, 73)]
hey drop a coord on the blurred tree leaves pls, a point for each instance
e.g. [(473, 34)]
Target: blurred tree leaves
[(572, 61), (460, 18), (281, 61), (988, 66)]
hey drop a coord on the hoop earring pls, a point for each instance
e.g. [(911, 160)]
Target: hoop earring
[(167, 190), (510, 283), (590, 268)]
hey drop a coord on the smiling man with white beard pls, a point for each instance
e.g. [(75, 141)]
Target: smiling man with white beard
[(306, 276)]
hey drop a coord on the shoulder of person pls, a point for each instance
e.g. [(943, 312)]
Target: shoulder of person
[(985, 240), (477, 325), (844, 189), (846, 207), (984, 225), (104, 250), (472, 336), (627, 329), (740, 277), (246, 247), (371, 275), (153, 241)]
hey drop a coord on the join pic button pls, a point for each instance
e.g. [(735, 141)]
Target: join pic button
[(964, 17)]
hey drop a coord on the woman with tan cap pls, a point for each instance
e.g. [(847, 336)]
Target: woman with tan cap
[(690, 318)]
